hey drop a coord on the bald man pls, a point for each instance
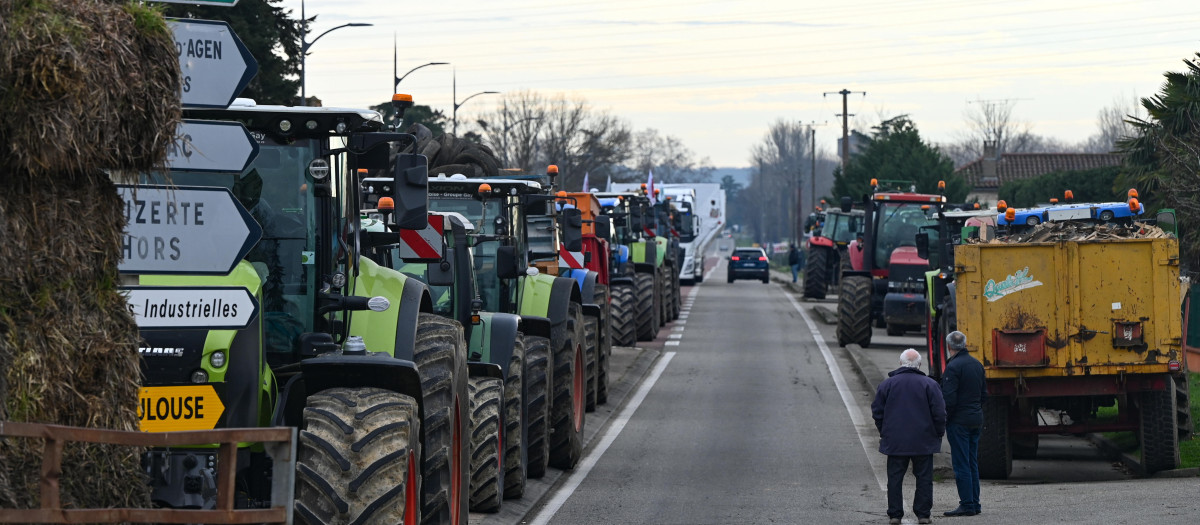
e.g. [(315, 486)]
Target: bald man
[(911, 417)]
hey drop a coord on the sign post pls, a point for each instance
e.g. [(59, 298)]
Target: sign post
[(185, 230)]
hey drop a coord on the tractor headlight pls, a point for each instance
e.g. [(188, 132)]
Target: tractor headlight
[(199, 376), (217, 359)]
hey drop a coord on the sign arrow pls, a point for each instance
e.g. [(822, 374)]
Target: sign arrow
[(208, 307), (184, 230), (212, 145), (214, 63), (172, 408)]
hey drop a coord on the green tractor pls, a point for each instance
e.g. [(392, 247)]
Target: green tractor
[(638, 274), (666, 227), (515, 253), (348, 351)]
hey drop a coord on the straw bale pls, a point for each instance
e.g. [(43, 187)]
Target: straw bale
[(85, 84)]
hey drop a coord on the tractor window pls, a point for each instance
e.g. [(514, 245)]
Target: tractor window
[(487, 284), (842, 228), (896, 225)]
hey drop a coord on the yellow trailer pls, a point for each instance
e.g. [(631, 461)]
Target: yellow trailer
[(1066, 327)]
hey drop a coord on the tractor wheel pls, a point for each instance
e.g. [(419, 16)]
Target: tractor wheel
[(566, 408), (645, 315), (1183, 406), (591, 360), (854, 311), (537, 405), (995, 445), (1156, 431), (895, 329), (843, 267), (359, 458), (1025, 447), (441, 358), (514, 463), (621, 312), (661, 292), (816, 282), (487, 478), (677, 298), (605, 349)]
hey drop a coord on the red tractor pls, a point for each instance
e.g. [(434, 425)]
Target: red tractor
[(885, 284)]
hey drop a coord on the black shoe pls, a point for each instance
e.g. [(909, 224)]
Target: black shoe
[(960, 511)]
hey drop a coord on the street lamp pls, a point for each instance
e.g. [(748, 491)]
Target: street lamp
[(305, 45), (398, 79), (457, 104)]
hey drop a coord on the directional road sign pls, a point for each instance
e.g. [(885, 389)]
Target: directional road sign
[(185, 407), (212, 145), (214, 64), (184, 230), (208, 307)]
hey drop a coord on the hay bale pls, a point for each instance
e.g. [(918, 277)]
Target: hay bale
[(85, 86)]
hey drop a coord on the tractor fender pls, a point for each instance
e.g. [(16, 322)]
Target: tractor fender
[(855, 250), (856, 273), (586, 279), (481, 369), (548, 296), (496, 339), (535, 326), (594, 310), (334, 370), (623, 279), (644, 268), (622, 254), (820, 241), (393, 330), (564, 292), (414, 300)]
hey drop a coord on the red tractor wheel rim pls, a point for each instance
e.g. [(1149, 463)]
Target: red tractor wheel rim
[(577, 397), (410, 491), (455, 456)]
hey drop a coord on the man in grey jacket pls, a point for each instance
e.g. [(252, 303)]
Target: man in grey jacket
[(964, 390), (911, 418)]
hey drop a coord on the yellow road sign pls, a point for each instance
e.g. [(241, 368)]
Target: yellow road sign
[(168, 408)]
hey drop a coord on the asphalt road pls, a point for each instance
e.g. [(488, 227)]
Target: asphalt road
[(746, 411)]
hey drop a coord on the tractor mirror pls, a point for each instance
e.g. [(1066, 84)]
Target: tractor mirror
[(603, 226), (923, 245), (506, 262), (572, 229), (847, 202), (411, 191)]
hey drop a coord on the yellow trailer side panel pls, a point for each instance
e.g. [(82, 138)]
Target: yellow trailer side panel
[(1070, 308)]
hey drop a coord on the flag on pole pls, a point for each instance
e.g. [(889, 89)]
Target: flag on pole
[(585, 182), (650, 186), (608, 185)]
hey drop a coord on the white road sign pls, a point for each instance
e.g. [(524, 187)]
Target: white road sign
[(215, 307), (211, 145), (184, 230), (214, 64)]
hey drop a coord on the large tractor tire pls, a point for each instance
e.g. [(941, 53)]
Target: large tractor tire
[(537, 405), (1157, 432), (591, 358), (621, 314), (816, 269), (661, 293), (359, 458), (677, 299), (514, 462), (646, 313), (567, 406), (605, 351), (995, 445), (441, 358), (854, 311), (487, 476), (1183, 406)]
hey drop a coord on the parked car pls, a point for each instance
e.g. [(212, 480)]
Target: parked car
[(749, 263)]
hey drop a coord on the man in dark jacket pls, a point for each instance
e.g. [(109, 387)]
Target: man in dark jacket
[(795, 261), (964, 390), (911, 418)]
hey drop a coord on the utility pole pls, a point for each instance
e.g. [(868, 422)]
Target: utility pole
[(845, 124)]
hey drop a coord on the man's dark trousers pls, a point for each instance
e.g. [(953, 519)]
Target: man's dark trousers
[(897, 467), (964, 454)]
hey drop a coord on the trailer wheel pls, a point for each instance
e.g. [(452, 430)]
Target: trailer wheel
[(514, 442), (566, 409), (358, 458), (854, 311), (605, 350), (1157, 430), (646, 315), (816, 282), (537, 405), (591, 358), (487, 476), (995, 446), (624, 301), (440, 355)]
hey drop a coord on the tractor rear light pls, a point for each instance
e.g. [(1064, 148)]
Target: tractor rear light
[(1174, 366)]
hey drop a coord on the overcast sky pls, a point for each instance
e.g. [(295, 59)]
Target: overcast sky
[(717, 73)]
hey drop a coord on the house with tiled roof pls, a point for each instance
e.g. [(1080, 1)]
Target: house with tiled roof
[(987, 173)]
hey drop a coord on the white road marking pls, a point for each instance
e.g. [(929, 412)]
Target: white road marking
[(675, 336), (678, 327), (860, 426), (585, 466), (680, 322), (672, 343)]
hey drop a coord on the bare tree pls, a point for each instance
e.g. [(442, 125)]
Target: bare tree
[(513, 131), (776, 190), (1112, 123), (665, 155)]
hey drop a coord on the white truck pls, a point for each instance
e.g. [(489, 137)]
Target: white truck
[(703, 206)]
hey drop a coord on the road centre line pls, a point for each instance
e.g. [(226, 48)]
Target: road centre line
[(585, 466), (856, 418)]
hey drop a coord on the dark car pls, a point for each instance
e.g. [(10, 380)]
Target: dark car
[(749, 263)]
